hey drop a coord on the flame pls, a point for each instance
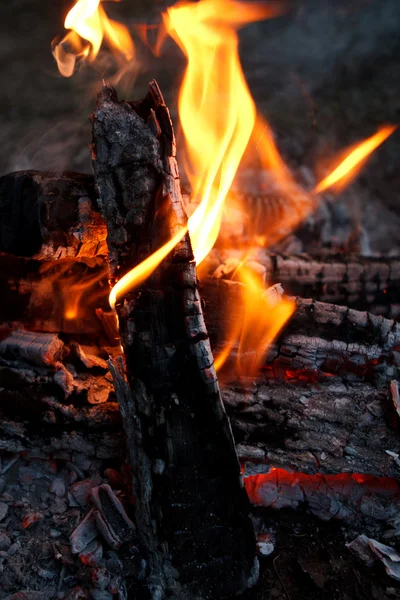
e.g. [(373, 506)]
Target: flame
[(141, 272), (218, 119), (217, 116), (265, 313), (216, 110), (89, 24), (355, 159), (76, 287), (295, 203)]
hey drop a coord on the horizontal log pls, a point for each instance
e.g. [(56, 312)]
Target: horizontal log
[(331, 426), (364, 283), (321, 338), (48, 216), (366, 503)]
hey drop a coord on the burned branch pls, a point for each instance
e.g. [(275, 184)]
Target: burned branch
[(171, 407)]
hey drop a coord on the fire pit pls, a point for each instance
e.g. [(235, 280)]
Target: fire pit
[(173, 363)]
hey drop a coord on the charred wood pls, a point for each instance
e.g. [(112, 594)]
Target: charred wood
[(363, 283), (362, 501), (321, 338), (39, 295), (47, 216), (328, 428), (171, 407)]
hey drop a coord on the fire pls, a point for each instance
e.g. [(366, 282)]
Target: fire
[(74, 286), (265, 313), (138, 274), (354, 161), (216, 110), (89, 24), (217, 116), (218, 119)]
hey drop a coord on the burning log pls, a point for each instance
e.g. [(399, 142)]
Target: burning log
[(361, 500), (363, 283), (320, 340), (45, 216), (171, 407), (63, 295)]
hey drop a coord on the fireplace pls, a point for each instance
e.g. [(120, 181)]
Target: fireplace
[(197, 332)]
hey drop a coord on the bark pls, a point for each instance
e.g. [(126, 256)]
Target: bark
[(48, 216), (329, 428), (320, 340), (172, 411)]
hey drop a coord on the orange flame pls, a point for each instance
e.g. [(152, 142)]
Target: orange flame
[(265, 313), (355, 159), (89, 24)]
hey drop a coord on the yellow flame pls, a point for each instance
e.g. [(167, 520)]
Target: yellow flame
[(354, 161), (141, 272), (217, 115), (89, 24), (216, 110)]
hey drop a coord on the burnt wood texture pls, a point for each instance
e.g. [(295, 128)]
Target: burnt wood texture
[(49, 216), (191, 510)]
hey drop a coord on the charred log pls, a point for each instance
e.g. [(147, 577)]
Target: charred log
[(363, 283), (47, 216), (171, 407)]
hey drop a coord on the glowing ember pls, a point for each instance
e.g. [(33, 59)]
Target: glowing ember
[(354, 161), (89, 24)]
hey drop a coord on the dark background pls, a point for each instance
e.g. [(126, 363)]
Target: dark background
[(325, 75)]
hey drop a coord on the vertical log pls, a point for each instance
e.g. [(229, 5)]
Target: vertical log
[(191, 508)]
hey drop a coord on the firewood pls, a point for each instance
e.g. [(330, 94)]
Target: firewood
[(321, 339), (330, 428), (171, 407), (360, 500), (39, 348), (53, 217), (364, 283), (36, 293), (47, 216)]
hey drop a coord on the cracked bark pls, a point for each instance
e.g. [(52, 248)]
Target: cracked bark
[(191, 511)]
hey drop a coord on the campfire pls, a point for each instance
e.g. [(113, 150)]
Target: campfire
[(173, 363)]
